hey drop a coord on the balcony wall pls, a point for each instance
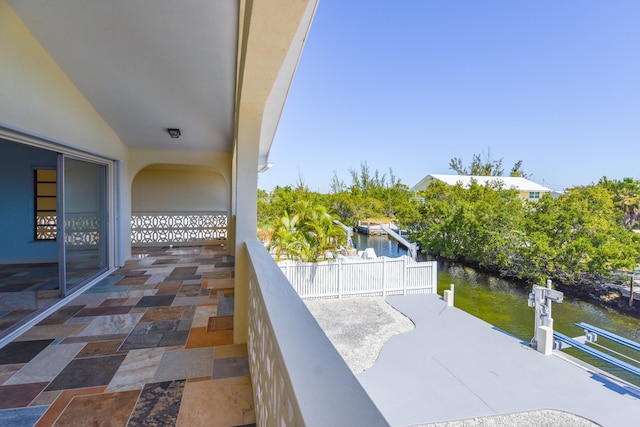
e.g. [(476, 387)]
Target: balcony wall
[(178, 228), (298, 376)]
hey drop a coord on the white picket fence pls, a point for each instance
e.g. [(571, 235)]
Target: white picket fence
[(346, 277)]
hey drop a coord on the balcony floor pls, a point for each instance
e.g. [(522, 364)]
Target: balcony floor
[(152, 344)]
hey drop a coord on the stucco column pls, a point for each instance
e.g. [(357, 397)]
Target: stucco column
[(123, 215), (272, 34), (246, 213)]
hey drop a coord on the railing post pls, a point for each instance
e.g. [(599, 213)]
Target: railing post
[(449, 295), (545, 338), (434, 277), (384, 276), (340, 271), (404, 275)]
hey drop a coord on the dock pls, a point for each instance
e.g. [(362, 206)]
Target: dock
[(382, 229), (412, 248), (454, 366), (370, 229)]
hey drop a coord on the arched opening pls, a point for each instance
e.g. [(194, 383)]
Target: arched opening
[(178, 205)]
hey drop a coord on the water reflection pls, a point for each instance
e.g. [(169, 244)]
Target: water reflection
[(383, 245), (503, 304)]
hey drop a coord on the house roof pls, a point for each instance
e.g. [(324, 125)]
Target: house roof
[(510, 182)]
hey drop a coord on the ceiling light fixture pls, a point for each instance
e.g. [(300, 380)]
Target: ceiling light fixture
[(174, 133)]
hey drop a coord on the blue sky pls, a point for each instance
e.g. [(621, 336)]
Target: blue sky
[(409, 84)]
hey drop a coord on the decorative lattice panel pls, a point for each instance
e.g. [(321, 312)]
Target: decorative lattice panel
[(271, 391), (178, 227), (46, 228), (82, 229), (298, 377)]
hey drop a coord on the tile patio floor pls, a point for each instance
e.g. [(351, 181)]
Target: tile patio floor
[(150, 345), (25, 289)]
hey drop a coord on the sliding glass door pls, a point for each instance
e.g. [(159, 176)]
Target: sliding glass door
[(83, 211)]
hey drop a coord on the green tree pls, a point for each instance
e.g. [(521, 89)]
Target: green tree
[(286, 239), (517, 171), (484, 165), (437, 231), (306, 232), (578, 235), (372, 195), (627, 196), (539, 253), (320, 233), (482, 224)]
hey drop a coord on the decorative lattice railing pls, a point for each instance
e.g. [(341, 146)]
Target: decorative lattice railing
[(81, 229), (298, 376), (178, 227)]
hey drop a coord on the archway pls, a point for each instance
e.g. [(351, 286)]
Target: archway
[(178, 205)]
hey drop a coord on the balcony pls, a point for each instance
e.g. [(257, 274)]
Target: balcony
[(152, 344)]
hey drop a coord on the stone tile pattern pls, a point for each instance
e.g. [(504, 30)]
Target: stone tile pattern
[(25, 289), (151, 345)]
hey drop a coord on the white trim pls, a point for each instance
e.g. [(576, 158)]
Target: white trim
[(51, 144)]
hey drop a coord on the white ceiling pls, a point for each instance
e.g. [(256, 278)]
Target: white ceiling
[(147, 65)]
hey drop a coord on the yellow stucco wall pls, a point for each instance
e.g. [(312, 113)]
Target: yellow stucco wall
[(171, 188), (36, 96), (220, 162)]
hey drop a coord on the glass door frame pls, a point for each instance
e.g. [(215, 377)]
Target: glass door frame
[(60, 229), (106, 206), (115, 179), (116, 202)]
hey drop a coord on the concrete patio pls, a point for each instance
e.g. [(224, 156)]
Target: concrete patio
[(454, 369)]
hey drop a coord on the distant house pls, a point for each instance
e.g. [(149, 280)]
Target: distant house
[(528, 189)]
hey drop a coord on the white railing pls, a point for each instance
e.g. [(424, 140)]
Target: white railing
[(298, 377), (178, 227), (350, 278)]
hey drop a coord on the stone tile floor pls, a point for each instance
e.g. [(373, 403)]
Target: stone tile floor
[(150, 345), (25, 289)]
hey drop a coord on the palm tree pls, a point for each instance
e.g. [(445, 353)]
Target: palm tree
[(306, 232), (285, 240)]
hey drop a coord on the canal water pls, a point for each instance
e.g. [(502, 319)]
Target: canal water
[(503, 304), (383, 245)]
